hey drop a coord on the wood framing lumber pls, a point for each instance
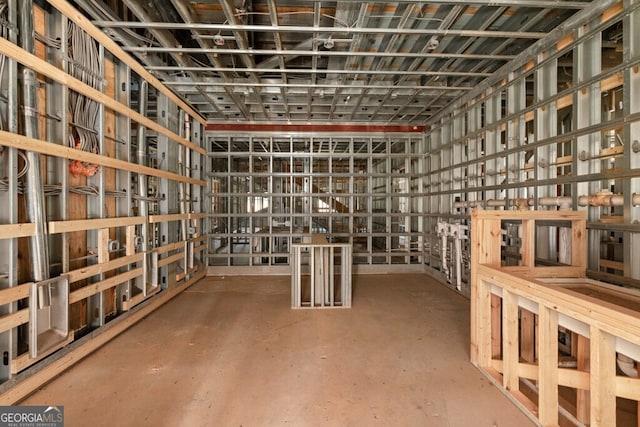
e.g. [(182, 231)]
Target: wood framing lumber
[(94, 288), (510, 347), (24, 360), (615, 319), (10, 231), (14, 293), (603, 378), (43, 147), (168, 260), (101, 37), (548, 366), (25, 383), (56, 227), (9, 321), (95, 269), (31, 61), (170, 247), (167, 217)]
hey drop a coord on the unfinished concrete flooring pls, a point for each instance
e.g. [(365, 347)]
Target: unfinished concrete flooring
[(231, 352)]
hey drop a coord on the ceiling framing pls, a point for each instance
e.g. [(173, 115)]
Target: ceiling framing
[(307, 61)]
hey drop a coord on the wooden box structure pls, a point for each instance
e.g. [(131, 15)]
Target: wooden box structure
[(550, 338), (329, 283)]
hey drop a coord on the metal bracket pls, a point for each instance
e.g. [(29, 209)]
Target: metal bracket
[(48, 315)]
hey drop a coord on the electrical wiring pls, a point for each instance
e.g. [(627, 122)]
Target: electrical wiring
[(83, 190), (84, 63)]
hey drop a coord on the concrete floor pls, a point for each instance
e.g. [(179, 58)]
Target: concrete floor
[(231, 352)]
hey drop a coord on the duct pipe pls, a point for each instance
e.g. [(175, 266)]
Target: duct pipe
[(34, 194), (606, 198), (562, 201), (142, 160), (625, 364), (469, 204), (522, 204), (496, 203)]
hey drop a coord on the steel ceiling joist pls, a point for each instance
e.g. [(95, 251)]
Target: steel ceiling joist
[(376, 62), (330, 30)]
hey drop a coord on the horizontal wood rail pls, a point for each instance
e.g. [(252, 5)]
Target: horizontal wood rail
[(36, 64), (518, 312), (10, 231), (43, 147)]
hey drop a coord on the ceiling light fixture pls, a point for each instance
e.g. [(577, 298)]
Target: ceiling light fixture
[(218, 40), (329, 43), (433, 43)]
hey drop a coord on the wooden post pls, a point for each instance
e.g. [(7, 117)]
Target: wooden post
[(528, 250), (527, 334), (483, 346), (496, 326), (603, 378), (548, 366), (583, 399), (485, 249), (579, 244), (510, 344)]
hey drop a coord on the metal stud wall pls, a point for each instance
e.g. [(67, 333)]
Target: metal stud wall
[(555, 129), (270, 191), (101, 189)]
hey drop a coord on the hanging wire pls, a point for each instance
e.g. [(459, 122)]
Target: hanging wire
[(83, 61)]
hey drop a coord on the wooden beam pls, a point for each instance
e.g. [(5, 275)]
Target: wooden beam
[(132, 302), (528, 248), (101, 37), (603, 378), (94, 288), (168, 260), (527, 335), (24, 360), (11, 231), (15, 293), (95, 269), (10, 321), (28, 381), (579, 245), (167, 217), (583, 396), (170, 247), (510, 341), (43, 147), (548, 365), (56, 227), (628, 387), (31, 61)]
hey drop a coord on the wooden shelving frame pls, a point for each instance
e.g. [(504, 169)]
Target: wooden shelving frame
[(518, 311)]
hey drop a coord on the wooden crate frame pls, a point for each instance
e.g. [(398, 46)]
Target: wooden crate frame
[(516, 313)]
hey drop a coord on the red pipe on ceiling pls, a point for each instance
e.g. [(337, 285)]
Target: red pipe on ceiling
[(284, 127)]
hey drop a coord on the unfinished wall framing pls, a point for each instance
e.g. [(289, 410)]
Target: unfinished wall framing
[(269, 191), (101, 188), (563, 347), (555, 129)]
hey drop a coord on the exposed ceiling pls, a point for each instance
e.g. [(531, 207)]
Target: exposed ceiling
[(307, 61)]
